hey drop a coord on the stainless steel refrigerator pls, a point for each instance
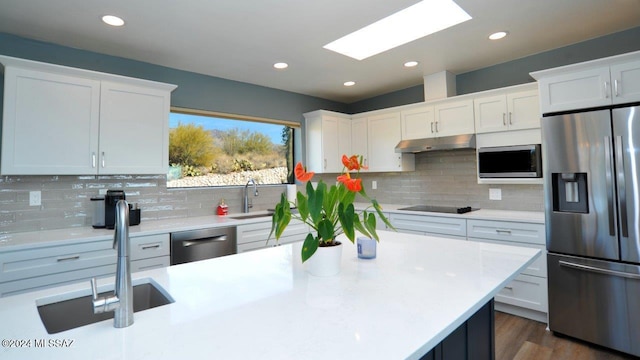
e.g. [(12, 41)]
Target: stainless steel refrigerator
[(591, 164)]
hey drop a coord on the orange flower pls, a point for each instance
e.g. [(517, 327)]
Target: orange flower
[(354, 185), (352, 163), (302, 174)]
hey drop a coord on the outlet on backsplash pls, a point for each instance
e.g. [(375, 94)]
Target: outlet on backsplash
[(495, 194), (374, 185)]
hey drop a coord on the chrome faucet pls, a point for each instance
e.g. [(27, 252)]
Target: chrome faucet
[(246, 205), (121, 302)]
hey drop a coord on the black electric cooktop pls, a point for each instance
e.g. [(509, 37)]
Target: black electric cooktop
[(439, 209)]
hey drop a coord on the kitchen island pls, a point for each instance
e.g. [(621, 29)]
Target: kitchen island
[(263, 304)]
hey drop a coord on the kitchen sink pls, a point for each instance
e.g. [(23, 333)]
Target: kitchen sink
[(76, 312)]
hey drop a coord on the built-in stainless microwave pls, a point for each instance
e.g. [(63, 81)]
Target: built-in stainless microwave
[(518, 161)]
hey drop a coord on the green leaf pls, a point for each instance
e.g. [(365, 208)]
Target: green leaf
[(325, 230), (303, 206), (381, 215), (315, 201), (346, 215), (309, 247), (358, 226), (370, 224)]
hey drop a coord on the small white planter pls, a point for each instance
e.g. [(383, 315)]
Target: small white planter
[(325, 262)]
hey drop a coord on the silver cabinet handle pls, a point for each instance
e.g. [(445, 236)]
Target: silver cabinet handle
[(147, 247), (432, 127), (325, 164), (503, 231), (508, 287), (504, 119), (437, 126), (103, 160), (510, 118), (93, 159), (68, 258), (599, 270), (622, 186), (606, 89), (615, 87), (608, 176)]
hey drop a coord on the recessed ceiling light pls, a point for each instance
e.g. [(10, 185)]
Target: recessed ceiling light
[(414, 22), (112, 20), (349, 83), (498, 35), (280, 65), (411, 64)]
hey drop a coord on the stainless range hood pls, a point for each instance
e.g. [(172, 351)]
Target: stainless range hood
[(467, 141)]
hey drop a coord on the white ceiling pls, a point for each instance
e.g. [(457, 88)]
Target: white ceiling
[(241, 40)]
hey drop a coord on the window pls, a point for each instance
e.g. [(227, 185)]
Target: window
[(210, 149)]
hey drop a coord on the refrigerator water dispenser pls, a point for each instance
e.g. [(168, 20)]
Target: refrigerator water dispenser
[(570, 192)]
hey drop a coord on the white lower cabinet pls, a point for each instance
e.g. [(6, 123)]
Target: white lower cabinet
[(254, 236), (49, 266), (525, 296), (429, 225)]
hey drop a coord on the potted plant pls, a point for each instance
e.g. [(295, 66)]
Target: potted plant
[(329, 211)]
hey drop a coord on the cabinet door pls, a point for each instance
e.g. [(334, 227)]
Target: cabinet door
[(576, 90), (134, 130), (523, 110), (344, 140), (359, 139), (330, 145), (50, 124), (626, 82), (490, 113), (454, 118), (418, 123), (384, 135)]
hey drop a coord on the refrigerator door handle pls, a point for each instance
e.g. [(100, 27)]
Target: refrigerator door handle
[(599, 270), (622, 187), (608, 150)]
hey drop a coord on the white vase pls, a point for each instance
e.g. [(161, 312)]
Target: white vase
[(325, 261)]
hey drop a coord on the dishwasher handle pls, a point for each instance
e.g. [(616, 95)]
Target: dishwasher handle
[(219, 238)]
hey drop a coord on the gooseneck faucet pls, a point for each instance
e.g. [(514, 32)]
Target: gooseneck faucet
[(121, 302), (246, 205)]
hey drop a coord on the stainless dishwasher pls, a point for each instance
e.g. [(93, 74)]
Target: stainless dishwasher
[(202, 244)]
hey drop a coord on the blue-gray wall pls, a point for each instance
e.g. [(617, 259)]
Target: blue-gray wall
[(514, 72), (195, 91)]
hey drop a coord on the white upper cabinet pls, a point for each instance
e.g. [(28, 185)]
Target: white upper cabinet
[(384, 133), (454, 118), (511, 110), (50, 123), (360, 139), (418, 123), (602, 82), (626, 82), (59, 120), (133, 118), (328, 137)]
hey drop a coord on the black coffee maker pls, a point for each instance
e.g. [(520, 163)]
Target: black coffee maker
[(110, 201)]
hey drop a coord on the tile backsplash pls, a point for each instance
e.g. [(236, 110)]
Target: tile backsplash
[(441, 178)]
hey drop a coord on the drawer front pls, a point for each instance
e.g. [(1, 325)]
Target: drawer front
[(57, 279), (424, 224), (259, 232), (525, 291), (16, 265), (506, 230), (150, 263), (537, 268), (251, 246), (151, 246)]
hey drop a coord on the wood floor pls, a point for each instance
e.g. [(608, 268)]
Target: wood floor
[(522, 339)]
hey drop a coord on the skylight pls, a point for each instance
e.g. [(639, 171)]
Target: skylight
[(417, 21)]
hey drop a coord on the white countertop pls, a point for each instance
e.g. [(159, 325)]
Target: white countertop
[(263, 304), (20, 241)]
